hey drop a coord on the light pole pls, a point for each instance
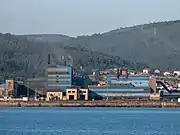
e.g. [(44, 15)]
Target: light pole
[(107, 91), (107, 84), (27, 89)]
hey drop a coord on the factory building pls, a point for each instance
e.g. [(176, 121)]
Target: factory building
[(59, 77), (122, 85), (59, 85)]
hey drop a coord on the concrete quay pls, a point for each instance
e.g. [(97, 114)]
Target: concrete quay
[(118, 103)]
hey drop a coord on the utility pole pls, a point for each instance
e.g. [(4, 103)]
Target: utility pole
[(27, 89)]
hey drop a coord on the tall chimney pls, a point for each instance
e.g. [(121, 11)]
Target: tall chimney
[(49, 59), (65, 63), (121, 72), (126, 73), (118, 73)]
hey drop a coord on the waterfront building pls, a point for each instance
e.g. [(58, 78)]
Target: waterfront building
[(125, 86), (70, 94), (54, 95), (59, 79)]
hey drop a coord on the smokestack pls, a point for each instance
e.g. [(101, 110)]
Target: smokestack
[(121, 72), (49, 59), (65, 63), (118, 73)]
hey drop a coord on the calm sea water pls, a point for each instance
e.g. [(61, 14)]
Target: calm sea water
[(89, 121)]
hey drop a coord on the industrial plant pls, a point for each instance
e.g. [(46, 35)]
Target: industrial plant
[(59, 84)]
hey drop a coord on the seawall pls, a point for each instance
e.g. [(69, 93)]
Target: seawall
[(120, 103)]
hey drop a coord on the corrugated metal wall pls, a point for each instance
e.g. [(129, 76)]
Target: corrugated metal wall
[(59, 76)]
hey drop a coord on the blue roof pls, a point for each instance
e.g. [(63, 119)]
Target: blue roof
[(134, 77), (129, 76), (59, 66)]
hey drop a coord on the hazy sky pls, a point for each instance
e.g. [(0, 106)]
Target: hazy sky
[(81, 17)]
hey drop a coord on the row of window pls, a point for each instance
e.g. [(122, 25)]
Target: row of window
[(74, 91), (60, 77), (71, 91), (60, 73), (126, 82), (59, 82), (121, 85), (138, 82)]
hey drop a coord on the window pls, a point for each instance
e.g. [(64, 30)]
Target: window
[(64, 93), (73, 91)]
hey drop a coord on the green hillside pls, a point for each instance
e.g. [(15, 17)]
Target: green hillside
[(22, 57), (156, 44)]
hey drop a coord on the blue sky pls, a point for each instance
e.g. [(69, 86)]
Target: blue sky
[(81, 17)]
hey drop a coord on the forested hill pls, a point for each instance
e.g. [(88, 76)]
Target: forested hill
[(156, 44), (22, 57)]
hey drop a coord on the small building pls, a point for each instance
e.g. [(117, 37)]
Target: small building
[(72, 94), (157, 71), (6, 88), (131, 73), (54, 95), (155, 96), (83, 94), (176, 73), (178, 85), (166, 73), (9, 86), (145, 71), (124, 72)]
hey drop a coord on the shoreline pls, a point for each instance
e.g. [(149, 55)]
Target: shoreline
[(120, 103)]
